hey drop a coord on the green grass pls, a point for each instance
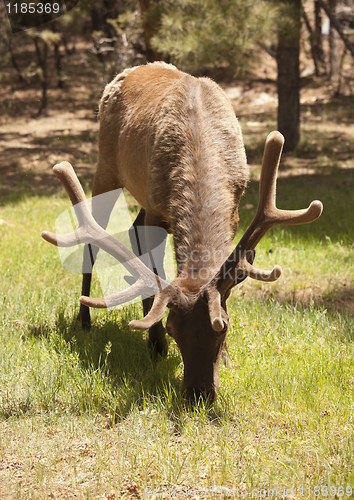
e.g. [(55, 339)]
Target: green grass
[(89, 413)]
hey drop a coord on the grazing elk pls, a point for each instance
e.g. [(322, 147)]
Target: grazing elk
[(174, 142)]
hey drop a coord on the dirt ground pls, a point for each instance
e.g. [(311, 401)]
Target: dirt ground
[(68, 129)]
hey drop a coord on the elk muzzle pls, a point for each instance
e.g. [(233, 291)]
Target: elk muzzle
[(200, 346)]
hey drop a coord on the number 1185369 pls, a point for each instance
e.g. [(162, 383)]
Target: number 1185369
[(326, 491), (32, 8)]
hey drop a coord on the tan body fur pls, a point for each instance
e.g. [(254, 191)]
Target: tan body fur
[(174, 142)]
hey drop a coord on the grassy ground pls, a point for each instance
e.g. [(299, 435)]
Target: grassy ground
[(89, 415)]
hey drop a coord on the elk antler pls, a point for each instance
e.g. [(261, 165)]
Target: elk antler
[(267, 216), (89, 231)]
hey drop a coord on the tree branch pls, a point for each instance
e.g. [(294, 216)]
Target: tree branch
[(336, 25), (311, 37), (269, 51)]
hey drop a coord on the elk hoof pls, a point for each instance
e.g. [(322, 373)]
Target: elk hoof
[(194, 395), (84, 318)]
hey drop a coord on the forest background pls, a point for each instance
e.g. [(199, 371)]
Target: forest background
[(89, 415)]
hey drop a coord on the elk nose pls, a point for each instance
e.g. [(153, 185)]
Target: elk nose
[(195, 394)]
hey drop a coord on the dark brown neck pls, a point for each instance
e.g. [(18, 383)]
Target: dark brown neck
[(202, 240)]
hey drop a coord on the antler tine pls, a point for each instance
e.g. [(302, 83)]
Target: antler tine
[(116, 298), (257, 273), (267, 190), (89, 231), (267, 215), (155, 314), (214, 306), (171, 296), (65, 173)]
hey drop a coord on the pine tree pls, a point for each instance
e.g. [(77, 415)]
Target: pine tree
[(208, 35), (288, 72)]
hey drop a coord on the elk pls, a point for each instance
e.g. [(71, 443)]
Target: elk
[(174, 142)]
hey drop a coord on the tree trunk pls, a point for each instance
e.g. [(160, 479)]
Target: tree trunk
[(149, 26), (334, 59), (318, 47), (315, 38), (58, 65), (312, 41), (8, 43), (288, 76), (42, 63), (337, 26), (108, 9)]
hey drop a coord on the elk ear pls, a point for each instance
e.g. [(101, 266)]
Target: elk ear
[(226, 357)]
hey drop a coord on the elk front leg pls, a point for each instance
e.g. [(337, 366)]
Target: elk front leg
[(84, 316), (143, 241), (102, 206)]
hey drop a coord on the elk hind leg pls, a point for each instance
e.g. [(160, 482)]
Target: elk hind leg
[(144, 240)]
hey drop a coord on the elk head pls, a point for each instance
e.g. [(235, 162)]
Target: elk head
[(197, 321)]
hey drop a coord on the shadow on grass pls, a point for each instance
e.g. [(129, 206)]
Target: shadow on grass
[(133, 379), (26, 166), (334, 188), (339, 301), (122, 359), (337, 304), (329, 143), (19, 186)]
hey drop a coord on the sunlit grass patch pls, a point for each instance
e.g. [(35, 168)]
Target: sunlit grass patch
[(91, 413)]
